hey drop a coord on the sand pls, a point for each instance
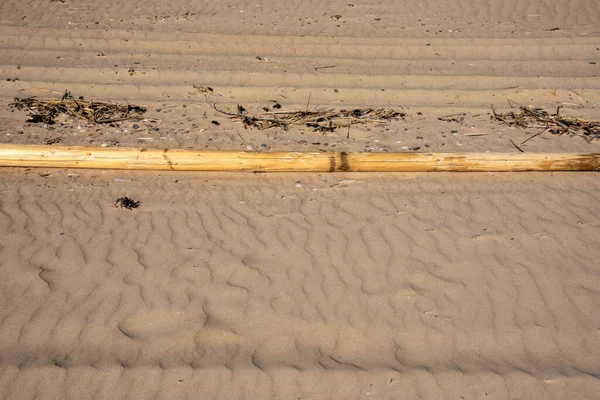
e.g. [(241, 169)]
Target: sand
[(300, 286)]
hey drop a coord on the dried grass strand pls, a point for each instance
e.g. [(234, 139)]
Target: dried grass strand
[(558, 124), (94, 112), (320, 120)]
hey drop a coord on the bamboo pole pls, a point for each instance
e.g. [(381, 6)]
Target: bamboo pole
[(194, 160)]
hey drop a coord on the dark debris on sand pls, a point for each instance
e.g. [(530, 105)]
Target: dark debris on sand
[(558, 124), (94, 112), (126, 202), (326, 120)]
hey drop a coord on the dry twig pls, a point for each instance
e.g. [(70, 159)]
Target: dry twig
[(321, 120), (558, 124), (460, 117), (95, 112)]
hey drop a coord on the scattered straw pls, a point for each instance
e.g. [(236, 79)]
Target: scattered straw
[(558, 124), (460, 117), (320, 120), (95, 112)]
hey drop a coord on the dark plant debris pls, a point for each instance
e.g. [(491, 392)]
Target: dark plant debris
[(203, 89), (558, 124), (126, 202), (460, 117), (94, 112), (326, 120)]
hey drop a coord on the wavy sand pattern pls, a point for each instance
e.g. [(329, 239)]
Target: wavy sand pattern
[(343, 286), (381, 285), (431, 57)]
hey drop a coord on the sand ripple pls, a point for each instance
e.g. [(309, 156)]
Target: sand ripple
[(252, 285)]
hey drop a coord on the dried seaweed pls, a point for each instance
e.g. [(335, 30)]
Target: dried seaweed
[(460, 118), (320, 120), (529, 117), (126, 202), (94, 112)]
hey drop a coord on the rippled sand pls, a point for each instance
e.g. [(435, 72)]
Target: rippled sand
[(300, 286)]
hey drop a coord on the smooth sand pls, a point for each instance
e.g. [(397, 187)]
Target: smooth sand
[(300, 286)]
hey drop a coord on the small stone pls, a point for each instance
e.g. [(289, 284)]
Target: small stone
[(298, 184), (335, 91), (135, 126)]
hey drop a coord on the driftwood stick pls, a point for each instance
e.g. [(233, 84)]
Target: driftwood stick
[(12, 155)]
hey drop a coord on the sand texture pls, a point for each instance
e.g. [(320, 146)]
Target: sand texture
[(355, 286), (300, 286), (427, 58)]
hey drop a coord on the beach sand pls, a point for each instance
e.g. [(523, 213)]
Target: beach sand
[(300, 286)]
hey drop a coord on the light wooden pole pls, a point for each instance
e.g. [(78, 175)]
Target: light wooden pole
[(194, 160)]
